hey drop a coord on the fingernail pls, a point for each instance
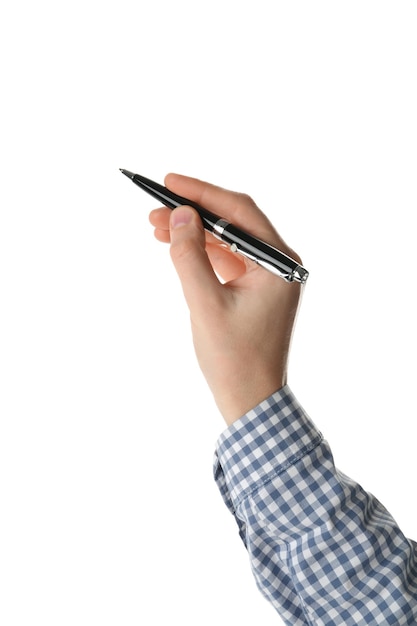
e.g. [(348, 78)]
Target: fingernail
[(180, 217)]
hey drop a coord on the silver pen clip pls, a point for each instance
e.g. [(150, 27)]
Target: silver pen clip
[(288, 270)]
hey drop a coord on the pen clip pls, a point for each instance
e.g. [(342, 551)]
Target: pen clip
[(296, 273), (299, 274)]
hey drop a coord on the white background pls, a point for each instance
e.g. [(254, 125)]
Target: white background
[(109, 513)]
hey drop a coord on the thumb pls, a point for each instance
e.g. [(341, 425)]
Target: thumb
[(190, 259)]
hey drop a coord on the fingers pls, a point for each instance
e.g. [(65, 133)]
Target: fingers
[(236, 207), (227, 265), (159, 218), (188, 253), (225, 203)]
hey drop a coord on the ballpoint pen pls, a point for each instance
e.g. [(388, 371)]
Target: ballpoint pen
[(239, 241)]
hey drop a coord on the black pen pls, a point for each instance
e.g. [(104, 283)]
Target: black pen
[(239, 241)]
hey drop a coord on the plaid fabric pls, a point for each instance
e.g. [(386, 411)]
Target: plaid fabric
[(323, 551)]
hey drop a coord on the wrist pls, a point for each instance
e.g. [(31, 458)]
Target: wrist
[(239, 397)]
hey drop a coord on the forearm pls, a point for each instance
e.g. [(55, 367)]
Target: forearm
[(323, 551)]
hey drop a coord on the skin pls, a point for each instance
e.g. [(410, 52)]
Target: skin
[(242, 316)]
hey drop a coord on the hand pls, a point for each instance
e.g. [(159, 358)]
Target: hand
[(242, 316)]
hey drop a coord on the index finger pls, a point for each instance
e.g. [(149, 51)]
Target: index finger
[(236, 207)]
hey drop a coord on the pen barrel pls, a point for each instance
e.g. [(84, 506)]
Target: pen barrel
[(262, 253)]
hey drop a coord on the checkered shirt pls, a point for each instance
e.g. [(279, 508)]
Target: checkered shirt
[(323, 551)]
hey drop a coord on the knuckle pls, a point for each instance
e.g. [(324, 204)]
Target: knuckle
[(246, 198)]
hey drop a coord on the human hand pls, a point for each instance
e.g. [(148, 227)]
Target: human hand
[(242, 323)]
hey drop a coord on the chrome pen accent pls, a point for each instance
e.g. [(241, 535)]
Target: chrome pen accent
[(239, 241), (219, 227)]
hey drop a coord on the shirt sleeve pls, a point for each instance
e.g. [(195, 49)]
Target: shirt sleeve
[(323, 551)]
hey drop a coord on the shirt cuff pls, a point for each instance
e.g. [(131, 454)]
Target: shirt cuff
[(262, 444)]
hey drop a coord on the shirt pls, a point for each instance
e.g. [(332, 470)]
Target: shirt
[(323, 551)]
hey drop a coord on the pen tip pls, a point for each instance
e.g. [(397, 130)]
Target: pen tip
[(126, 172)]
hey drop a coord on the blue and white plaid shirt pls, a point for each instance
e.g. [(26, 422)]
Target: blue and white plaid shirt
[(323, 551)]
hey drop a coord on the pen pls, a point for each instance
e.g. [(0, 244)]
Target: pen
[(239, 241)]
